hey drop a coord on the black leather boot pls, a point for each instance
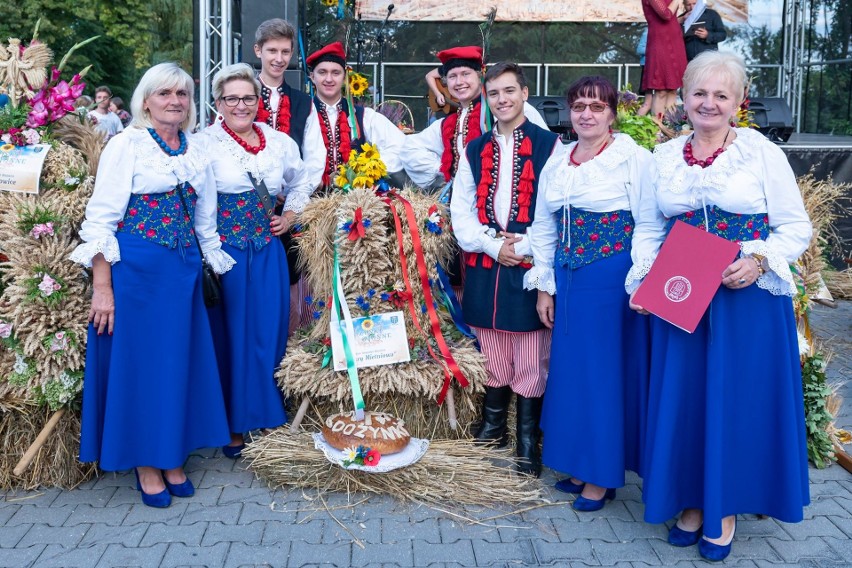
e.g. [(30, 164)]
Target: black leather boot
[(495, 411), (529, 435)]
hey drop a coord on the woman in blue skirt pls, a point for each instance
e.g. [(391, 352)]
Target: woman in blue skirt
[(251, 325), (151, 393), (726, 432), (592, 197)]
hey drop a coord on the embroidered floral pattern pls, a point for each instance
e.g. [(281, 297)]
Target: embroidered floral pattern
[(160, 217), (731, 226), (593, 236), (242, 221)]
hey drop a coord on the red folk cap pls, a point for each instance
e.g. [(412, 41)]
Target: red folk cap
[(468, 56), (332, 52)]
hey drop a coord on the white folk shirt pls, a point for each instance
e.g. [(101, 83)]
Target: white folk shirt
[(423, 151), (472, 235)]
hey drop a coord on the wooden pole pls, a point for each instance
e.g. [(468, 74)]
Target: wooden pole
[(844, 459), (300, 415), (451, 408), (37, 444)]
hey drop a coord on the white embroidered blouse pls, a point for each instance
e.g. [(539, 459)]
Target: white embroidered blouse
[(621, 177), (132, 163), (751, 176)]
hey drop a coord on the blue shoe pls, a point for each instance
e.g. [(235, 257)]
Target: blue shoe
[(185, 489), (716, 552), (682, 538), (588, 505), (159, 500), (233, 452), (568, 486)]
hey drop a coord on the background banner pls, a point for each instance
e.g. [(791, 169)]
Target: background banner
[(732, 11)]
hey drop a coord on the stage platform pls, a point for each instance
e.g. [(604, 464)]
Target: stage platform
[(830, 156)]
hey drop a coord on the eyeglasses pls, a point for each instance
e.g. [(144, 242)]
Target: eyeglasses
[(595, 107), (232, 101)]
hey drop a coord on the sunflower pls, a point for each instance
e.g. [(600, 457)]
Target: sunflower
[(7, 147), (358, 84), (329, 3)]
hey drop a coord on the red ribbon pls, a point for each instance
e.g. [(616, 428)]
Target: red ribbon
[(356, 228), (449, 365)]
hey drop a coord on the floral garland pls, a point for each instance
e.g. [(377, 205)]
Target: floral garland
[(357, 226), (451, 128), (339, 143), (263, 114)]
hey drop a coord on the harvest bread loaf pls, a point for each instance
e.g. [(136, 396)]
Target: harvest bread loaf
[(378, 431)]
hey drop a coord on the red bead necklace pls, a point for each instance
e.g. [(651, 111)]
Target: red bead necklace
[(248, 148), (692, 161), (576, 163)]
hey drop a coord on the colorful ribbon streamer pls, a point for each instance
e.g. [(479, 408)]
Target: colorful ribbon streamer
[(448, 298), (347, 333)]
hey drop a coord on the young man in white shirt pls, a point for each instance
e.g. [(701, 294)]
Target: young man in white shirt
[(105, 120)]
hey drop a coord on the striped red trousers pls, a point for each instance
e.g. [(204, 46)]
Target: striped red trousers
[(516, 359)]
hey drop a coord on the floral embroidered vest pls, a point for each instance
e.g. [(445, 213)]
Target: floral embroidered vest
[(593, 236), (241, 220), (731, 226), (161, 218)]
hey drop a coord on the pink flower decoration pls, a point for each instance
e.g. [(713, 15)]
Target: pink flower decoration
[(42, 229), (5, 330), (48, 285)]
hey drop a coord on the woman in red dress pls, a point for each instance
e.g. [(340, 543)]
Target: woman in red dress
[(665, 56)]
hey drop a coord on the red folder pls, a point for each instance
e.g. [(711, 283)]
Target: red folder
[(685, 275)]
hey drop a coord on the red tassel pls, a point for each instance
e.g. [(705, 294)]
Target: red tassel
[(527, 174), (448, 128), (487, 261), (526, 147), (523, 215), (470, 258)]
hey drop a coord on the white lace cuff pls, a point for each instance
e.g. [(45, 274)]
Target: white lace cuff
[(778, 280), (636, 273), (220, 261), (85, 252), (540, 278), (296, 201)]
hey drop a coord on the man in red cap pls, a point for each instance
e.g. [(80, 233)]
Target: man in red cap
[(291, 112), (340, 133), (493, 205), (431, 157)]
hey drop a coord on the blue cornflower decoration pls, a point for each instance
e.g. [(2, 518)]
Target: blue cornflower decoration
[(366, 223), (434, 228), (317, 315), (371, 293), (346, 226), (309, 300), (385, 296), (320, 304)]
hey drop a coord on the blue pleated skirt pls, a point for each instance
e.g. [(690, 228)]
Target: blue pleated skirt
[(594, 405), (726, 429), (151, 393), (250, 330)]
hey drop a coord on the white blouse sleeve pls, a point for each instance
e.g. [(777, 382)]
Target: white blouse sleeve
[(108, 203), (421, 157), (649, 229), (791, 228), (205, 221), (296, 179), (471, 235), (543, 234), (534, 116), (385, 136), (313, 149)]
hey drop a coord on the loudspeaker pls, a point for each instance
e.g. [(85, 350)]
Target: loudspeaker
[(773, 117), (554, 111), (254, 12)]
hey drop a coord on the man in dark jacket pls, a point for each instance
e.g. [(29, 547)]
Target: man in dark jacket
[(705, 34)]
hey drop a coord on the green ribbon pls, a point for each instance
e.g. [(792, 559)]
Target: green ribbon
[(347, 333)]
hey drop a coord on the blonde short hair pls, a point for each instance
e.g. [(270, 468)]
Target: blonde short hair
[(162, 76), (721, 64), (235, 72)]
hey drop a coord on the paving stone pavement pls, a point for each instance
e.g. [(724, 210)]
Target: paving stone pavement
[(234, 520)]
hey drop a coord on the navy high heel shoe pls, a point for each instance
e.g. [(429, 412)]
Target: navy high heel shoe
[(233, 452), (159, 500), (185, 489), (682, 538), (568, 486), (716, 552), (587, 505)]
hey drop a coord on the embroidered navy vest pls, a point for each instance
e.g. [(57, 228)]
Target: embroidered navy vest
[(731, 226), (494, 294), (300, 110), (161, 218), (241, 220), (354, 143), (593, 236)]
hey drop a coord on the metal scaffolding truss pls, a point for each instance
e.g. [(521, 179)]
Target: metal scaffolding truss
[(216, 46), (793, 55)]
